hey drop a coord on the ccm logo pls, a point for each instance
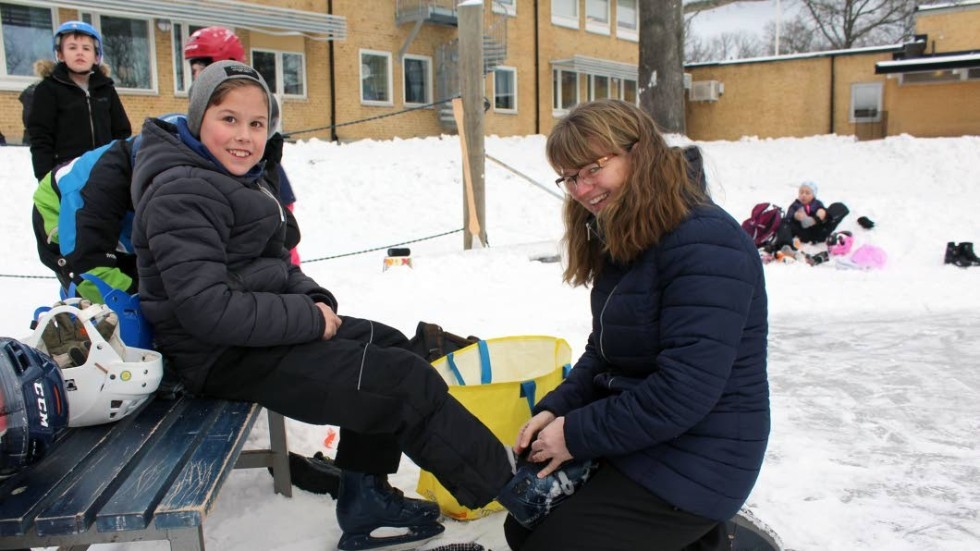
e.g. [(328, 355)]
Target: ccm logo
[(42, 403)]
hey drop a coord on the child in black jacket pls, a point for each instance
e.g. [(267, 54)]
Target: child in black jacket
[(75, 107)]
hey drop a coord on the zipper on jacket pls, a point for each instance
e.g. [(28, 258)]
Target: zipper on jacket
[(282, 215), (602, 330), (91, 123)]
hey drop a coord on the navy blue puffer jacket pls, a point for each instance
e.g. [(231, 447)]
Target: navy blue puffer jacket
[(672, 388)]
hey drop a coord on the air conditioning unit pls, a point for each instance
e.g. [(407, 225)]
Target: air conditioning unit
[(706, 90), (688, 78)]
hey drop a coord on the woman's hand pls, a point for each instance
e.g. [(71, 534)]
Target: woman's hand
[(531, 429), (331, 321), (550, 446)]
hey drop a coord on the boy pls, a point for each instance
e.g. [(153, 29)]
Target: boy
[(75, 107), (239, 321)]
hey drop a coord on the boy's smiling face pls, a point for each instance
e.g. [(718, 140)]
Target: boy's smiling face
[(78, 52), (235, 129)]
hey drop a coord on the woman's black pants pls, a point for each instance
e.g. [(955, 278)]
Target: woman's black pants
[(613, 513)]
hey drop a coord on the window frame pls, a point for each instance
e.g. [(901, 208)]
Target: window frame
[(505, 6), (95, 19), (598, 27), (428, 80), (360, 81), (856, 87), (280, 90), (513, 73), (556, 97), (624, 33), (591, 88), (14, 83), (179, 60), (565, 21)]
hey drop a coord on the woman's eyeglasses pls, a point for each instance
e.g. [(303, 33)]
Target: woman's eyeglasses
[(570, 183)]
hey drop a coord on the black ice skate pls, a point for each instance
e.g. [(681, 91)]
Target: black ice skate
[(368, 502), (747, 533), (529, 499)]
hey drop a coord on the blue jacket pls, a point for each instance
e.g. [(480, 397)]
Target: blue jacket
[(672, 388), (810, 209)]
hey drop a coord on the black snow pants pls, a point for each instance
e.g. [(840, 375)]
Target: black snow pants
[(790, 228), (385, 398)]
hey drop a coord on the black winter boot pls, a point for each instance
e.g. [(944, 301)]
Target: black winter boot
[(965, 255), (367, 502), (951, 252)]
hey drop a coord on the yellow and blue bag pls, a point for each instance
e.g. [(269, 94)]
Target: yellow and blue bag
[(499, 381)]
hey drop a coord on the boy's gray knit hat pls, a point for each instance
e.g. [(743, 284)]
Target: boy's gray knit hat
[(210, 78)]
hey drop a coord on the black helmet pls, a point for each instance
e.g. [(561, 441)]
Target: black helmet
[(33, 405)]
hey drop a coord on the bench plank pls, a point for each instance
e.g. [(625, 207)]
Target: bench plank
[(30, 492), (80, 498), (195, 490), (132, 505)]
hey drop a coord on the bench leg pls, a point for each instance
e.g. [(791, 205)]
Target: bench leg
[(280, 454), (186, 540)]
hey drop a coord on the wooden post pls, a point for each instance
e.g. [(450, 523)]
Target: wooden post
[(472, 89)]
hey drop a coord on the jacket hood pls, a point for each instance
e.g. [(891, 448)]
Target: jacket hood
[(46, 67)]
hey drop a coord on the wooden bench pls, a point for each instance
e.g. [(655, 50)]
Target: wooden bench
[(152, 476)]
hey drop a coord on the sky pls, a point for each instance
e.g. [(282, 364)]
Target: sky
[(874, 375), (741, 16)]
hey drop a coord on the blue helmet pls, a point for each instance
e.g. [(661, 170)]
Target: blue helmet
[(33, 405), (70, 27)]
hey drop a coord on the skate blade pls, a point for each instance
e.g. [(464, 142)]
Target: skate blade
[(403, 539)]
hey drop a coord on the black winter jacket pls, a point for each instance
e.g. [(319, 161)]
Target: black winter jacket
[(213, 271), (66, 121)]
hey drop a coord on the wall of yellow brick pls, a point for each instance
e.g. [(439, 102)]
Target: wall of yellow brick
[(951, 30), (935, 109)]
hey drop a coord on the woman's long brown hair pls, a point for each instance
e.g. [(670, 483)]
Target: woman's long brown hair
[(656, 196)]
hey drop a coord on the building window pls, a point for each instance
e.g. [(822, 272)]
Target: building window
[(597, 16), (418, 79), (627, 20), (629, 92), (866, 102), (128, 49), (565, 86), (925, 77), (284, 72), (505, 90), (375, 77), (182, 69), (505, 6), (26, 38), (599, 88), (564, 13)]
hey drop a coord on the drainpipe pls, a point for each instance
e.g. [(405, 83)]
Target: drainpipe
[(537, 75), (833, 83), (332, 74)]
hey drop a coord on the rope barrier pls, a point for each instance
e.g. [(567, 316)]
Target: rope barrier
[(368, 119), (381, 248), (353, 253)]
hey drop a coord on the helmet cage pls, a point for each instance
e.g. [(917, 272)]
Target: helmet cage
[(114, 380)]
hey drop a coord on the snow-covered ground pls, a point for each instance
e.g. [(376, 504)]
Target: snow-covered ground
[(875, 375)]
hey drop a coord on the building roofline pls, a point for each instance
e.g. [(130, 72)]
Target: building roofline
[(809, 55)]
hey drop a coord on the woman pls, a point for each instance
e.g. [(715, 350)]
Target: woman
[(671, 394)]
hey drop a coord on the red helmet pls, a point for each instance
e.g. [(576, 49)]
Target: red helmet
[(214, 44)]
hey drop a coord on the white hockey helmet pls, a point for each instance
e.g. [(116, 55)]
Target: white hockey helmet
[(114, 380)]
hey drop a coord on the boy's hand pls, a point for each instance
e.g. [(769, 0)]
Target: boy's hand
[(331, 321)]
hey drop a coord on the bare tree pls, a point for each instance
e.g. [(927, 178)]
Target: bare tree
[(796, 36), (853, 23)]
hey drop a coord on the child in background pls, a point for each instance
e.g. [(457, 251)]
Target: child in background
[(807, 220), (75, 107)]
